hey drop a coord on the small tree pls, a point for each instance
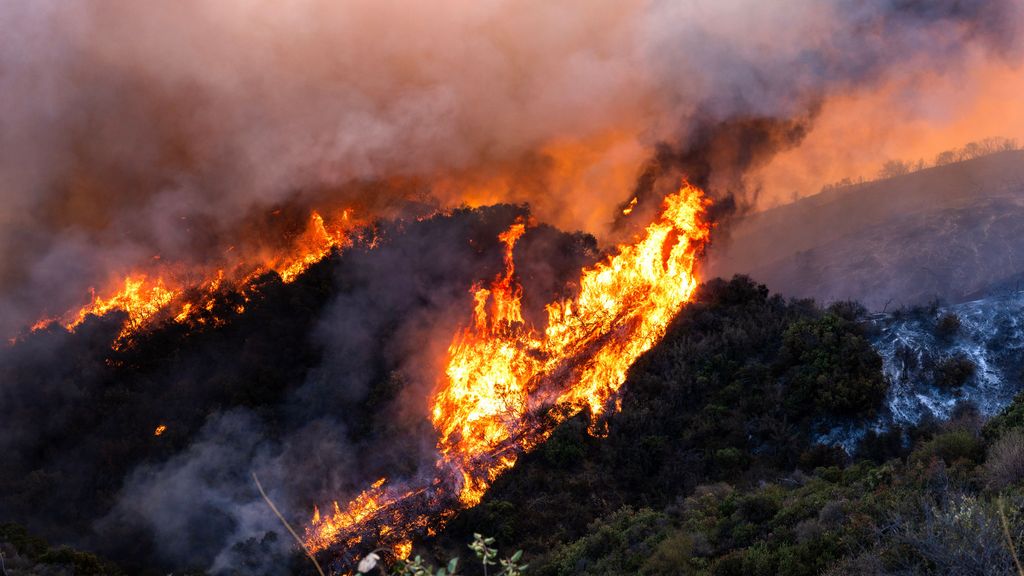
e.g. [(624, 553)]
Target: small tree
[(894, 168)]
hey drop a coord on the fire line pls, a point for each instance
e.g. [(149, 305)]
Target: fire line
[(507, 385), (145, 296)]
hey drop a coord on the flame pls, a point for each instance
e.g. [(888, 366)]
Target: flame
[(629, 207), (379, 505), (315, 244), (139, 298), (160, 430), (403, 549), (506, 384), (144, 296)]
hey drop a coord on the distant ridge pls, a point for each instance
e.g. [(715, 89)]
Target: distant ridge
[(946, 232)]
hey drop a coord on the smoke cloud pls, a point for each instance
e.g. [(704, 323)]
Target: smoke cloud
[(130, 131)]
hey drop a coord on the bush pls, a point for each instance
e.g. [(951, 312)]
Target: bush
[(947, 326), (47, 560), (84, 564), (951, 447), (1004, 465), (958, 535), (821, 456), (954, 371), (759, 508), (730, 459), (671, 556), (831, 368), (1012, 417)]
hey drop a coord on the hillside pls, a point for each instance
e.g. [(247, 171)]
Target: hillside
[(712, 467), (732, 434), (313, 378), (950, 232)]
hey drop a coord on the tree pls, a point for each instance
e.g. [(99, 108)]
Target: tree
[(894, 168)]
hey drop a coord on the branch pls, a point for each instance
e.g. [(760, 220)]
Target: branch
[(286, 525), (1009, 539)]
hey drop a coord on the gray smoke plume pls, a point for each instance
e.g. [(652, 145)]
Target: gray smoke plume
[(134, 130)]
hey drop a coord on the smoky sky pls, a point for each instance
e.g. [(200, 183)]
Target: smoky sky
[(129, 130)]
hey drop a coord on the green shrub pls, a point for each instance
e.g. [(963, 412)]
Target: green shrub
[(26, 544), (758, 508), (730, 459), (951, 447), (58, 559), (831, 368), (761, 560), (1012, 417), (729, 565), (83, 563), (673, 556)]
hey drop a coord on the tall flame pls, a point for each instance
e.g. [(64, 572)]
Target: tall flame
[(507, 384)]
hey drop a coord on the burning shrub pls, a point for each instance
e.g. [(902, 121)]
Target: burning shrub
[(481, 547)]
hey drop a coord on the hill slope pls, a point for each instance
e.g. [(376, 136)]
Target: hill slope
[(709, 469), (949, 232)]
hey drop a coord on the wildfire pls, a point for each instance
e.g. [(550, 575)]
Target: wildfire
[(145, 296), (160, 430), (629, 207), (507, 384)]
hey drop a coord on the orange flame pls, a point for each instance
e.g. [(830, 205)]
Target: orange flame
[(629, 207), (138, 298), (144, 299), (507, 384)]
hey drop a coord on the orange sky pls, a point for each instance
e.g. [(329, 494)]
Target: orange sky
[(908, 119)]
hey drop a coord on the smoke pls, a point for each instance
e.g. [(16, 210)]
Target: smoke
[(142, 130), (172, 129), (759, 81), (319, 388)]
